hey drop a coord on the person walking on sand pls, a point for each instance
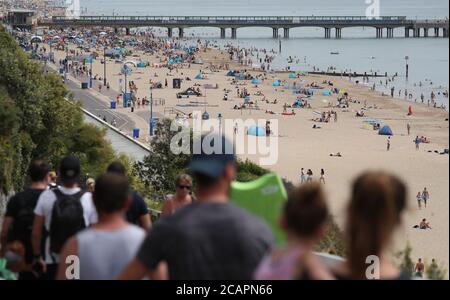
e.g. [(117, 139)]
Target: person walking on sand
[(425, 197), (388, 145), (302, 176), (419, 199), (310, 175), (417, 142), (322, 176), (408, 128), (419, 268)]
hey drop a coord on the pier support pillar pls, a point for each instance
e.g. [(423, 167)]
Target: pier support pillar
[(338, 33), (406, 32), (416, 32), (169, 32), (181, 32), (390, 33), (436, 32), (425, 32), (379, 33), (286, 33), (223, 33), (327, 33), (127, 30), (233, 33), (445, 34), (116, 30), (275, 33)]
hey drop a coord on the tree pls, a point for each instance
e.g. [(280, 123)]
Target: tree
[(435, 272), (406, 263), (36, 121)]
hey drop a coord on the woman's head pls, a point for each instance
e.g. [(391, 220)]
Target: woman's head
[(376, 205), (183, 184), (305, 212)]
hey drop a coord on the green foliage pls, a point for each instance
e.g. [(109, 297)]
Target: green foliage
[(333, 241), (37, 122), (435, 272), (406, 263)]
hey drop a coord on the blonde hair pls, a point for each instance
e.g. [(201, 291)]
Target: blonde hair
[(183, 178)]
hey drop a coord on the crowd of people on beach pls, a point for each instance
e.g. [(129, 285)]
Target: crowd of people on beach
[(108, 227)]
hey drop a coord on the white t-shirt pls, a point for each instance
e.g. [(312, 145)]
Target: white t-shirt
[(44, 209)]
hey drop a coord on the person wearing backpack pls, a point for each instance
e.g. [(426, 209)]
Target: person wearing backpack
[(63, 212), (16, 228)]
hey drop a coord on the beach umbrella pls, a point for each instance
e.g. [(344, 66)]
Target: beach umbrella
[(256, 131), (36, 39), (198, 76), (292, 75), (130, 62), (276, 83), (56, 37)]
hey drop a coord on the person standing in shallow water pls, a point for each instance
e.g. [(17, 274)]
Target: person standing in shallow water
[(182, 195)]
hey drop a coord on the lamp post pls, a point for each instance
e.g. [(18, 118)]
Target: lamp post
[(407, 66), (151, 112), (66, 65), (90, 71), (220, 123), (104, 66)]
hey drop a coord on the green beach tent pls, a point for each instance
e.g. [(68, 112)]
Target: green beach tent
[(263, 197)]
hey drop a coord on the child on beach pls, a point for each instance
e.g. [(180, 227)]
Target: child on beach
[(322, 176)]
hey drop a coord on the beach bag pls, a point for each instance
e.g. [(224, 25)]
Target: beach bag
[(67, 219)]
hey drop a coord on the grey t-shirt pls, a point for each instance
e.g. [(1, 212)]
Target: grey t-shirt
[(208, 241), (105, 254)]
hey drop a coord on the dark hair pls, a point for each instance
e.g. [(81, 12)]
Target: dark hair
[(377, 202), (306, 210), (117, 167), (203, 180), (111, 192), (38, 170)]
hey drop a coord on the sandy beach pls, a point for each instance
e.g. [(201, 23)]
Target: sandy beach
[(301, 146)]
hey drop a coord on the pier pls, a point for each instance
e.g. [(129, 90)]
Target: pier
[(333, 25)]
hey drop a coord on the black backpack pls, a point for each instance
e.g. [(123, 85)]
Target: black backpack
[(67, 219)]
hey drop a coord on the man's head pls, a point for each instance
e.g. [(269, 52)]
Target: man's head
[(420, 260), (214, 168), (69, 170), (39, 171), (118, 168), (111, 193)]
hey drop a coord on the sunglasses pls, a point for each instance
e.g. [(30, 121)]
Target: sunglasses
[(188, 187)]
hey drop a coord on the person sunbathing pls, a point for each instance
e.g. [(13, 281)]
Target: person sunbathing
[(423, 225)]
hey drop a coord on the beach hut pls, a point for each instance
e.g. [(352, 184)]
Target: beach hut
[(386, 130), (326, 93), (198, 76), (256, 131), (292, 75), (263, 197)]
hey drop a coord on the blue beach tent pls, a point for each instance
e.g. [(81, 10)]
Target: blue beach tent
[(326, 93), (256, 131), (386, 130)]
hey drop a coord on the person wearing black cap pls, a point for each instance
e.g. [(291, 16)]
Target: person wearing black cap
[(62, 212), (210, 239)]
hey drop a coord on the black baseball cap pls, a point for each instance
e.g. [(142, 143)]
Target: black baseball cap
[(207, 161), (69, 169)]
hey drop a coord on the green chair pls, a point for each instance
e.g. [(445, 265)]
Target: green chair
[(264, 198)]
